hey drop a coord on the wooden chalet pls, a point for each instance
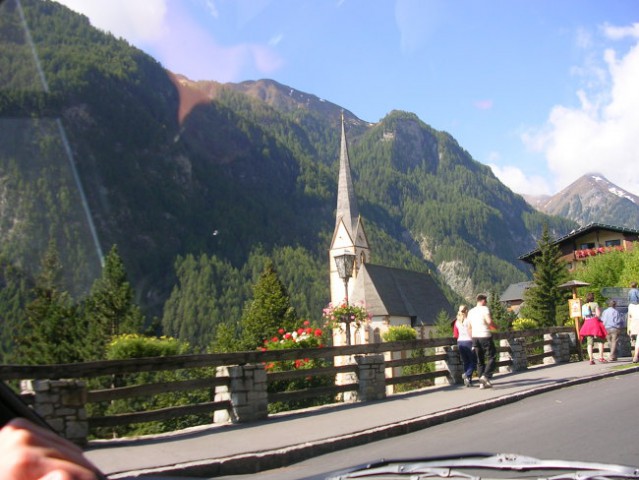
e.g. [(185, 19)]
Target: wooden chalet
[(589, 241)]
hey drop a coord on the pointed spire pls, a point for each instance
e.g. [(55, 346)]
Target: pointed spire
[(347, 209)]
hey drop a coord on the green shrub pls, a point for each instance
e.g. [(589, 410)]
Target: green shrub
[(399, 333), (524, 324), (138, 346), (404, 333)]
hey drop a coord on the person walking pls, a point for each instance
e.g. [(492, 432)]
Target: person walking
[(613, 324), (480, 326), (465, 345), (593, 328)]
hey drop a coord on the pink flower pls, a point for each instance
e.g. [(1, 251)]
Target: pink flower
[(288, 336), (306, 323), (281, 331)]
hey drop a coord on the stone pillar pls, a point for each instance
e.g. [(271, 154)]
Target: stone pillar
[(247, 393), (452, 364), (515, 352), (371, 377), (62, 404), (560, 348)]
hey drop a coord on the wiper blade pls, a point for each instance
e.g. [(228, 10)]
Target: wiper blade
[(449, 467)]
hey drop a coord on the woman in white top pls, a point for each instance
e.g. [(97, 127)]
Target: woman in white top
[(465, 345)]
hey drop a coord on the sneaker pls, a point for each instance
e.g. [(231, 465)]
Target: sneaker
[(485, 382), (482, 386), (467, 381), (592, 362)]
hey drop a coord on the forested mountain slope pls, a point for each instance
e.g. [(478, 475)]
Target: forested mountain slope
[(200, 183)]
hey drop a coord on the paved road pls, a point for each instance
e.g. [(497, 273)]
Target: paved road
[(596, 421), (290, 438)]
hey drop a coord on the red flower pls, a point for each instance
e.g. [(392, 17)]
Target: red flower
[(275, 339), (306, 323), (318, 332), (281, 331), (300, 331), (287, 336)]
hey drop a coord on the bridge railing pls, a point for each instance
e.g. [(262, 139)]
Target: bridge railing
[(238, 383)]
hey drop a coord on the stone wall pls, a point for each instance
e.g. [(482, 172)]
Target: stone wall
[(62, 404)]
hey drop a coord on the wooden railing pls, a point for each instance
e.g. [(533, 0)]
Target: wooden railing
[(115, 368)]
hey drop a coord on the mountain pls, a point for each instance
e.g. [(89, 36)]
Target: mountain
[(591, 198), (198, 183)]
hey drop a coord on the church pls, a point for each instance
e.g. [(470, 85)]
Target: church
[(391, 296)]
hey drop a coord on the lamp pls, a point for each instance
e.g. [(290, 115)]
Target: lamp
[(345, 263)]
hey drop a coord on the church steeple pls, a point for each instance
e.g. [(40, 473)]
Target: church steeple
[(347, 209), (349, 235)]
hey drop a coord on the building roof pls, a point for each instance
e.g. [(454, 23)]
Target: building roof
[(579, 232), (515, 291), (388, 291)]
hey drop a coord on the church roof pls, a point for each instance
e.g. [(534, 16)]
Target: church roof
[(402, 293), (515, 292)]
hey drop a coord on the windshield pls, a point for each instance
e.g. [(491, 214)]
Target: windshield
[(173, 173)]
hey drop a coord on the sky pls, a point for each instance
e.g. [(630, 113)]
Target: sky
[(542, 91)]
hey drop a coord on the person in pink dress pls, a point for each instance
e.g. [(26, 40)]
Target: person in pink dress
[(593, 329)]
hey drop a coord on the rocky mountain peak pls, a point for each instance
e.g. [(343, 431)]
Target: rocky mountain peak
[(591, 198)]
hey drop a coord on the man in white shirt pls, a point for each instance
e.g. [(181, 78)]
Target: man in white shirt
[(480, 327)]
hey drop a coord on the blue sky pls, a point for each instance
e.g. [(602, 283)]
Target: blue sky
[(543, 91)]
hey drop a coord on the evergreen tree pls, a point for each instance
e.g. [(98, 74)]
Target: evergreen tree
[(53, 331), (543, 299), (14, 295), (443, 325), (268, 311), (498, 312), (109, 309)]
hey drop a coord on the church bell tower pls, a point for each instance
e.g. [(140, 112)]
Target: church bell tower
[(349, 235)]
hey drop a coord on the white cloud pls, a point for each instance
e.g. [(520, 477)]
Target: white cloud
[(212, 8), (515, 179), (618, 33), (135, 21), (602, 133), (275, 40)]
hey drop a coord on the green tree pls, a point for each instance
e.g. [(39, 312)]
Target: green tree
[(499, 313), (268, 311), (443, 325), (544, 299), (110, 309), (14, 295), (53, 331)]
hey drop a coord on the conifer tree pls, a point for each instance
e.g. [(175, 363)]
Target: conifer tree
[(14, 295), (498, 312), (53, 331), (544, 298), (268, 311), (110, 309)]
